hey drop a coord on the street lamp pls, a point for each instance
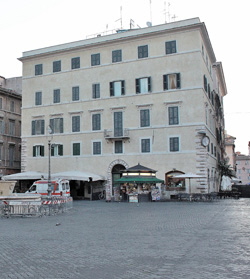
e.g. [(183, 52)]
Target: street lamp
[(49, 170)]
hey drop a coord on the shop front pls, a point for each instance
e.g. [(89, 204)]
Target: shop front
[(139, 184)]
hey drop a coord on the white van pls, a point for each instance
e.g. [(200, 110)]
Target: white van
[(59, 187)]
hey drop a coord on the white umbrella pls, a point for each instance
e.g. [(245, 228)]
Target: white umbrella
[(189, 175), (26, 175), (78, 175)]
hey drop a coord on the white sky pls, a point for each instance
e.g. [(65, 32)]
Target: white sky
[(32, 24)]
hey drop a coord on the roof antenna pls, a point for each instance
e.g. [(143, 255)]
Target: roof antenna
[(150, 6)]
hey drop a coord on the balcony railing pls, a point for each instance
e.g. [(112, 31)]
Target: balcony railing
[(113, 135)]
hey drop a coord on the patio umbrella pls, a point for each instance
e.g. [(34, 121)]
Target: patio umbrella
[(189, 175)]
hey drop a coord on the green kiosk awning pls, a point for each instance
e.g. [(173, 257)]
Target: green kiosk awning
[(138, 179)]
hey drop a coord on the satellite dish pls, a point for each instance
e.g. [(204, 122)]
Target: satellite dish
[(149, 24)]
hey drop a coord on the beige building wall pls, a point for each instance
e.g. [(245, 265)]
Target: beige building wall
[(198, 110)]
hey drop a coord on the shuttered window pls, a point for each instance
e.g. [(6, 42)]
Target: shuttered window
[(173, 115), (96, 148), (144, 118), (56, 125), (145, 145), (172, 81), (117, 88), (76, 123), (143, 85), (170, 47), (118, 124), (37, 127), (96, 122), (174, 144)]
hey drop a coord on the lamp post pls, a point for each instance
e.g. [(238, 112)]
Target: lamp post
[(49, 167)]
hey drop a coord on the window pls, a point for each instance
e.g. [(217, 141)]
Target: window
[(2, 126), (173, 115), (116, 55), (96, 148), (38, 69), (96, 121), (118, 124), (37, 127), (75, 63), (174, 144), (145, 145), (56, 66), (96, 90), (170, 47), (142, 51), (76, 123), (117, 88), (12, 127), (118, 146), (143, 85), (38, 151), (205, 83), (1, 103), (171, 81), (12, 106), (38, 98), (95, 59), (56, 96), (11, 155), (144, 118), (76, 149), (75, 93), (56, 125), (56, 150)]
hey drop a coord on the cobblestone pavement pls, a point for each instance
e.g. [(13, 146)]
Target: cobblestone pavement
[(99, 240)]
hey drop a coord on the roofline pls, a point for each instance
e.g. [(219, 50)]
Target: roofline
[(128, 34)]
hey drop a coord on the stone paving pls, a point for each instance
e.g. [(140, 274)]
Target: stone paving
[(158, 240)]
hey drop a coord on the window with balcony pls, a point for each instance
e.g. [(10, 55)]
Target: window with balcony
[(118, 124)]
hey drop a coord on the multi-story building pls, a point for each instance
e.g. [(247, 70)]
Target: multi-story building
[(230, 151), (243, 166), (10, 126), (151, 96)]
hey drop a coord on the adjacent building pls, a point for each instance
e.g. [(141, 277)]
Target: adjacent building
[(10, 125), (243, 167), (152, 96)]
